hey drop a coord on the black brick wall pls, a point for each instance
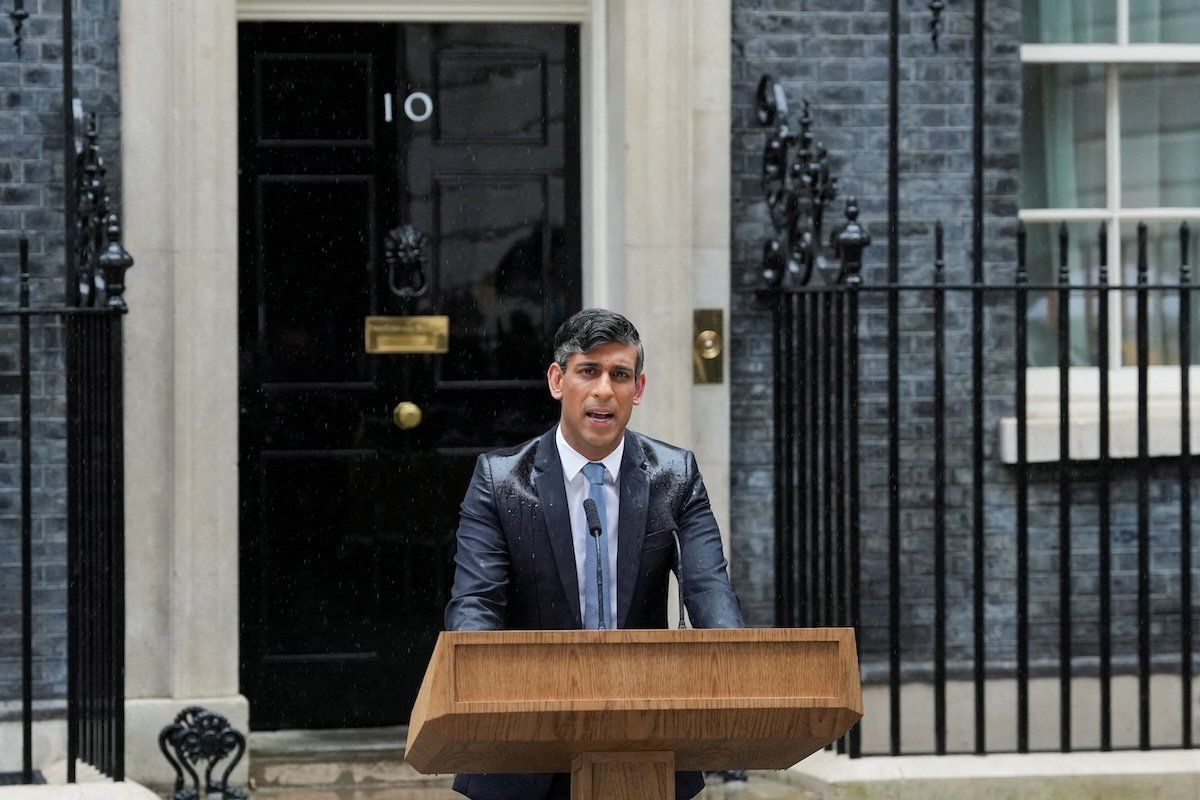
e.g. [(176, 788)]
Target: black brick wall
[(835, 53), (31, 202)]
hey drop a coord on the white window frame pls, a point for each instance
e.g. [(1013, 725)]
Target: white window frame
[(1042, 400)]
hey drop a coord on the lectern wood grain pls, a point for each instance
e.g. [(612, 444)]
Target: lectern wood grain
[(735, 670), (531, 701), (623, 776)]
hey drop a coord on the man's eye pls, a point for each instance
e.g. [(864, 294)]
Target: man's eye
[(586, 370)]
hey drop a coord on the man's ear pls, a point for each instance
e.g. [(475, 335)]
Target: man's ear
[(554, 379), (640, 390)]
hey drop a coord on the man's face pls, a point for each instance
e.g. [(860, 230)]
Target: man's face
[(598, 392)]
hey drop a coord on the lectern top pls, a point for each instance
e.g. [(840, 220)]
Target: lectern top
[(529, 701)]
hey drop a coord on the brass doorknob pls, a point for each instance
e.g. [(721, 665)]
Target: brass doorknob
[(406, 415), (707, 344)]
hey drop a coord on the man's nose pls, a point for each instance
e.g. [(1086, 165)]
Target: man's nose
[(603, 387)]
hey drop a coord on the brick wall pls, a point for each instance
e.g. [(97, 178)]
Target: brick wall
[(31, 202)]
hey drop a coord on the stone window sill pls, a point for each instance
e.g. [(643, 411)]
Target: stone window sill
[(1042, 422)]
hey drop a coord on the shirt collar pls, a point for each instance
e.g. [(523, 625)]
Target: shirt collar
[(573, 462)]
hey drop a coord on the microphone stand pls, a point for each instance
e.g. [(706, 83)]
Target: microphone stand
[(595, 527), (679, 577), (601, 600)]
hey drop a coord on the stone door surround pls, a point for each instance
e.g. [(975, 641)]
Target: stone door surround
[(655, 122)]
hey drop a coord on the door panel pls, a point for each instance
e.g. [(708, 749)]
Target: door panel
[(321, 539), (491, 97), (315, 98), (311, 292), (348, 522), (491, 253)]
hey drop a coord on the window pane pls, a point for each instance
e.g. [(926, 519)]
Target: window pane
[(1062, 136), (1070, 21), (1083, 259), (1160, 135), (1162, 307), (1169, 21)]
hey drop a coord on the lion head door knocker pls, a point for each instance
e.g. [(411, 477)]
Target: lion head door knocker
[(406, 254)]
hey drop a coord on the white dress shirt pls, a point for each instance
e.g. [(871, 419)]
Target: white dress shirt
[(577, 491)]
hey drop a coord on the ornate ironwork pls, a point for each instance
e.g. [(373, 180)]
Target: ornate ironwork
[(798, 189), (18, 15), (100, 259), (936, 7), (849, 241), (406, 254), (199, 735)]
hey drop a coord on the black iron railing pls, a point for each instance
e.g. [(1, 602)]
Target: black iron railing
[(95, 552), (879, 449), (96, 616), (91, 319), (95, 476)]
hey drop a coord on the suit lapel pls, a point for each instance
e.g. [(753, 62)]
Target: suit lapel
[(631, 523), (552, 496)]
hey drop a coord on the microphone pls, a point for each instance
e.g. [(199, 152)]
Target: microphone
[(594, 528), (679, 576)]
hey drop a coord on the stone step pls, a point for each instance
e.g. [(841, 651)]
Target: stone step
[(362, 758), (758, 788), (368, 764), (359, 793)]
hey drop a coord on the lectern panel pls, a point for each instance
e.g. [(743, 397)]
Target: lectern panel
[(620, 670)]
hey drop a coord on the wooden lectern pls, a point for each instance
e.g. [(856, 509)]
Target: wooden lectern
[(622, 710)]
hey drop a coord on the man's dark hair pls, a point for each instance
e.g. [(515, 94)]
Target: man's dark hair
[(591, 328)]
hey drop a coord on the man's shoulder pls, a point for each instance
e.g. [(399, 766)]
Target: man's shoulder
[(514, 454), (659, 453), (509, 469)]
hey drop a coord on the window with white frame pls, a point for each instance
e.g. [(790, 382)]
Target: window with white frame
[(1110, 137)]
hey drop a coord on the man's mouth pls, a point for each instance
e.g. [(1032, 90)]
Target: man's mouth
[(600, 417)]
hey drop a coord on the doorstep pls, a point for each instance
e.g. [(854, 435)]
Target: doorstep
[(1125, 775), (350, 757), (368, 764)]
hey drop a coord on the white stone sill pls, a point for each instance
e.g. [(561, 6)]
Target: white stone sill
[(1159, 774), (1041, 437), (1163, 414)]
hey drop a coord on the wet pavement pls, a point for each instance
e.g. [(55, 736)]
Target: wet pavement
[(758, 787), (368, 764)]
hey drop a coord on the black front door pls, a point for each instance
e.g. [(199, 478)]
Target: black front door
[(468, 135)]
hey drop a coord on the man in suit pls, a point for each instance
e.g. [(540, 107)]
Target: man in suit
[(525, 558)]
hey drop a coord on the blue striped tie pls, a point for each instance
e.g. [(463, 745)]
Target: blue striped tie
[(594, 472)]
